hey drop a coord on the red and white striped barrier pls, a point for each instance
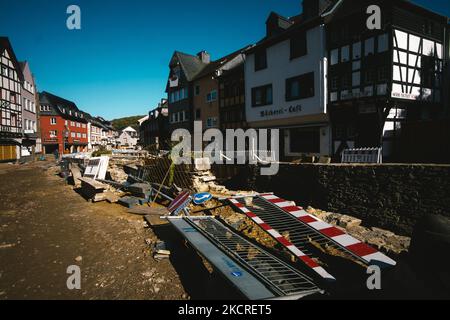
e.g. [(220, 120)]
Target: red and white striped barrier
[(282, 240), (358, 248), (179, 203)]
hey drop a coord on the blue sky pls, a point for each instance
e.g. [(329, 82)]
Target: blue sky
[(117, 64)]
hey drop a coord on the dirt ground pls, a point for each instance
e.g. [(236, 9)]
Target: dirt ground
[(45, 227)]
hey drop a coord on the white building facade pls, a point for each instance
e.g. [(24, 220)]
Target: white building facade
[(286, 88), (128, 138)]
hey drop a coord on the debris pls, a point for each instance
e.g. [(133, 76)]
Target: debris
[(202, 164), (79, 259), (145, 210), (76, 174), (349, 222), (129, 202), (92, 190), (278, 216), (382, 239), (220, 248), (7, 246), (201, 198), (180, 203), (97, 168), (111, 197), (140, 190)]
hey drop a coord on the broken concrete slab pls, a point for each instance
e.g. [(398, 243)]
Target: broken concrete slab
[(202, 164), (348, 221), (129, 202)]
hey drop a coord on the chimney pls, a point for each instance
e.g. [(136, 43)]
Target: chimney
[(276, 24), (204, 56), (314, 8)]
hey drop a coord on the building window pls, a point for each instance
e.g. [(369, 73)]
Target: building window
[(334, 83), (369, 47), (211, 122), (299, 46), (369, 76), (382, 73), (178, 95), (72, 134), (53, 121), (383, 43), (345, 54), (262, 96), (356, 79), (197, 114), (357, 51), (334, 57), (260, 59), (346, 81), (197, 90), (300, 87), (212, 96), (304, 140)]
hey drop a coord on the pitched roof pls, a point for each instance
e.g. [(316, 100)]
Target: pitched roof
[(214, 65), (5, 44), (190, 64), (63, 107)]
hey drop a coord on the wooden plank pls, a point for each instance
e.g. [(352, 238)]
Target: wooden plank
[(76, 174), (93, 184), (145, 210)]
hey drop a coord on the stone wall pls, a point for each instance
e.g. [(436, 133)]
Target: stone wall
[(393, 197)]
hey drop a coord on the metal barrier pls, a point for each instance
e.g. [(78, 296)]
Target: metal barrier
[(302, 233), (255, 272), (362, 155)]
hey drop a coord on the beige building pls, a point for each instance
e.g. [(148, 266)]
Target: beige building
[(206, 90)]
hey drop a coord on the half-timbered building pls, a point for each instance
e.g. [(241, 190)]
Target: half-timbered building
[(382, 79), (11, 79)]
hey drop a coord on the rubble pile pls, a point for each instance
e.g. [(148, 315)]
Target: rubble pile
[(205, 181), (382, 239), (116, 168)]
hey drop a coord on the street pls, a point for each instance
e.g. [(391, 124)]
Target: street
[(41, 236)]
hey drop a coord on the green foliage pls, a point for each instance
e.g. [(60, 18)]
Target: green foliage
[(122, 123)]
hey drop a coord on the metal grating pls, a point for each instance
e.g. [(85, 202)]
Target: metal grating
[(301, 232), (255, 272), (279, 276)]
